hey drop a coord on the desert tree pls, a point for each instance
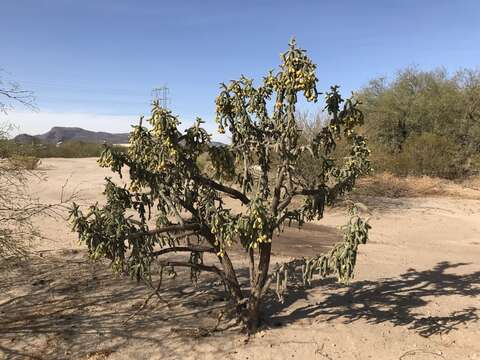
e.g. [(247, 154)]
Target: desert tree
[(170, 206), (18, 206)]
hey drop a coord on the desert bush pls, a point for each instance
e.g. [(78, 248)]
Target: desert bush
[(424, 123), (18, 207), (191, 216), (4, 148), (24, 162), (425, 154)]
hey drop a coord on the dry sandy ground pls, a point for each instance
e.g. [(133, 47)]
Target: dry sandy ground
[(416, 294)]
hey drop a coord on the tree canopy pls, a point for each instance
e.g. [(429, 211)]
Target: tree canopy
[(171, 205)]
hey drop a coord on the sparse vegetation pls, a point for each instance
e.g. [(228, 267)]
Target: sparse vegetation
[(68, 149), (24, 162), (17, 206)]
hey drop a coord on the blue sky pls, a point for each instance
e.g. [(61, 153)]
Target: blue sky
[(93, 63)]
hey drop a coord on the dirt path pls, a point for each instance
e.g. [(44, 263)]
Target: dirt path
[(416, 294)]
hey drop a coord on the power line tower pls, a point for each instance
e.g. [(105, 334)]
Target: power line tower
[(162, 95)]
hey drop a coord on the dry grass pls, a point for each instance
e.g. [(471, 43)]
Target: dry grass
[(472, 183), (389, 185), (25, 162)]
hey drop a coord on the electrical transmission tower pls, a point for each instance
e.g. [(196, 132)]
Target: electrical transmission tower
[(161, 94)]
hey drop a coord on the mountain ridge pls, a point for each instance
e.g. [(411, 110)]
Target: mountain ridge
[(63, 133)]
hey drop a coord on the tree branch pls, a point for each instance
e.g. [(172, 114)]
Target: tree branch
[(225, 189), (277, 190), (289, 190), (198, 248), (165, 229), (282, 218), (24, 97), (172, 207), (309, 191), (211, 268)]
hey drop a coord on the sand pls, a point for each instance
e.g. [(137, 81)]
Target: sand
[(416, 294)]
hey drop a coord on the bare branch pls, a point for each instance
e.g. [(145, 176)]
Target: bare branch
[(13, 93)]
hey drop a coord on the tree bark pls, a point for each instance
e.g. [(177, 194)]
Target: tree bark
[(253, 311), (231, 278), (251, 266)]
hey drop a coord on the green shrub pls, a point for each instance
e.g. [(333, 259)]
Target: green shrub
[(424, 122), (425, 154)]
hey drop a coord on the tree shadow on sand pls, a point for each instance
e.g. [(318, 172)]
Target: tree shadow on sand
[(69, 307), (395, 300)]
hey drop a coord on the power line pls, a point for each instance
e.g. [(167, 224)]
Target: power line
[(161, 94)]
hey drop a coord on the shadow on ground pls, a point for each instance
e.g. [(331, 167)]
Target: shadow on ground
[(398, 301), (68, 307)]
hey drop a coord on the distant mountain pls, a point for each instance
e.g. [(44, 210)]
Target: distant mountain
[(62, 134)]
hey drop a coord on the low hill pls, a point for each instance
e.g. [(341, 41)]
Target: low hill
[(61, 134)]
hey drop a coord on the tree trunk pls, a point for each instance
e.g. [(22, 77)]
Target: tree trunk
[(231, 278), (253, 310), (252, 315), (251, 266)]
